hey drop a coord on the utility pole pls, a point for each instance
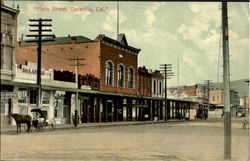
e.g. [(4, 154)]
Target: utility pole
[(226, 81), (178, 77), (39, 39), (208, 95), (76, 59), (166, 69), (117, 19)]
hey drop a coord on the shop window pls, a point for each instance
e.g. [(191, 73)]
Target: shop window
[(45, 97), (58, 106), (131, 78), (22, 110), (33, 96), (120, 76), (22, 96), (109, 73)]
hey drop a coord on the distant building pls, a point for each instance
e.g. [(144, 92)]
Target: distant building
[(157, 84), (144, 82)]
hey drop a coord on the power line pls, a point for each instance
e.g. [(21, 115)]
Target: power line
[(77, 64), (166, 69)]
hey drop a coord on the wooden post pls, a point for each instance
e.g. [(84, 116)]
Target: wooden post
[(94, 108), (100, 112), (112, 110), (151, 117), (117, 112), (106, 111)]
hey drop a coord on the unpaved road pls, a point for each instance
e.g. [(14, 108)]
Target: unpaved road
[(189, 141)]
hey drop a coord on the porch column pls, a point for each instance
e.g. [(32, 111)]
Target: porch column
[(95, 104), (124, 109), (133, 110), (106, 111), (100, 109), (150, 106), (112, 110), (117, 108)]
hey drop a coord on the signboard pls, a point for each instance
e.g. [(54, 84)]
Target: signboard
[(7, 95)]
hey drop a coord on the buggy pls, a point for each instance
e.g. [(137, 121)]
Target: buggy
[(40, 121)]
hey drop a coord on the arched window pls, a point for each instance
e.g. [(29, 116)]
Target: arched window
[(154, 86), (109, 73), (120, 76), (160, 88), (131, 78)]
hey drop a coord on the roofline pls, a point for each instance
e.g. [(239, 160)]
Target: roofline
[(10, 9), (117, 42)]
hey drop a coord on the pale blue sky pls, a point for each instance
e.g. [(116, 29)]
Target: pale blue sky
[(163, 31)]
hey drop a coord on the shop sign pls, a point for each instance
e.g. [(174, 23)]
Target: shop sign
[(7, 95)]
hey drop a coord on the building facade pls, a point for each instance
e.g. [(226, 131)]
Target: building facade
[(8, 51)]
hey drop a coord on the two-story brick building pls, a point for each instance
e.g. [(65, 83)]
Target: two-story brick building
[(113, 63)]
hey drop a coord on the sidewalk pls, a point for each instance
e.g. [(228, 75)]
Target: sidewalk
[(10, 129)]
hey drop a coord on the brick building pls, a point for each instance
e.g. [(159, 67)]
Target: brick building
[(144, 82), (113, 63)]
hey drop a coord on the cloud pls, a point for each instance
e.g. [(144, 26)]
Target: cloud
[(111, 20), (150, 13)]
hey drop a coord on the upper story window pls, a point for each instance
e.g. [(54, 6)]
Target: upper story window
[(22, 96), (109, 73), (148, 85), (120, 76), (45, 96), (160, 88), (131, 77), (154, 86), (33, 96), (139, 84)]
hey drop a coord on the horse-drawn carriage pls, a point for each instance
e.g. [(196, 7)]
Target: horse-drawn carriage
[(40, 121)]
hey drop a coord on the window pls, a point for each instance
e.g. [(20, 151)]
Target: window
[(154, 86), (120, 76), (23, 110), (139, 84), (148, 85), (131, 78), (45, 97), (160, 88), (2, 57), (33, 96), (213, 98), (22, 96), (109, 73), (58, 107)]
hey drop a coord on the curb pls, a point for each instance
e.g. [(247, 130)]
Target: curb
[(93, 126)]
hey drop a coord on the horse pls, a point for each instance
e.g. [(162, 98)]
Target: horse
[(26, 119)]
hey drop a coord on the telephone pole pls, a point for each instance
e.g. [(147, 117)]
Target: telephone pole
[(208, 82), (166, 69), (76, 59), (39, 39), (226, 81)]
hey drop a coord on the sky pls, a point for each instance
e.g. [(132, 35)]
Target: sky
[(164, 31)]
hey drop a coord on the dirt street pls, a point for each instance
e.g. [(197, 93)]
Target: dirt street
[(188, 141)]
